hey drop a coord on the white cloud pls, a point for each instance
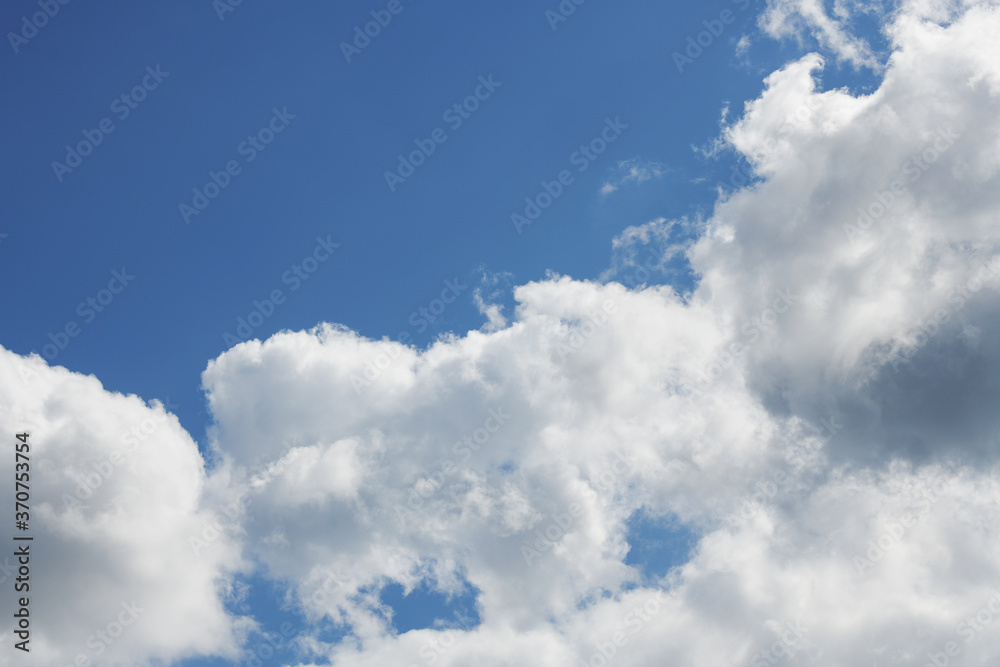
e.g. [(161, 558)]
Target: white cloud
[(492, 311), (793, 322), (116, 487), (743, 46), (796, 18), (825, 156), (635, 170), (489, 305)]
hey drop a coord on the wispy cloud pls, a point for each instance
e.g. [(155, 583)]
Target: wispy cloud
[(635, 170)]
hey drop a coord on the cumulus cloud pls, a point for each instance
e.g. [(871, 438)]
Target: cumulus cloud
[(116, 489), (794, 410), (879, 213), (509, 460)]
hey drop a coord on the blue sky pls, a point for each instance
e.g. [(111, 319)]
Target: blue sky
[(323, 176), (184, 177)]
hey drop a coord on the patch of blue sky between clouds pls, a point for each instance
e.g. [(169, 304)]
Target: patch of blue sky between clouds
[(658, 544), (653, 253), (423, 608), (279, 626)]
